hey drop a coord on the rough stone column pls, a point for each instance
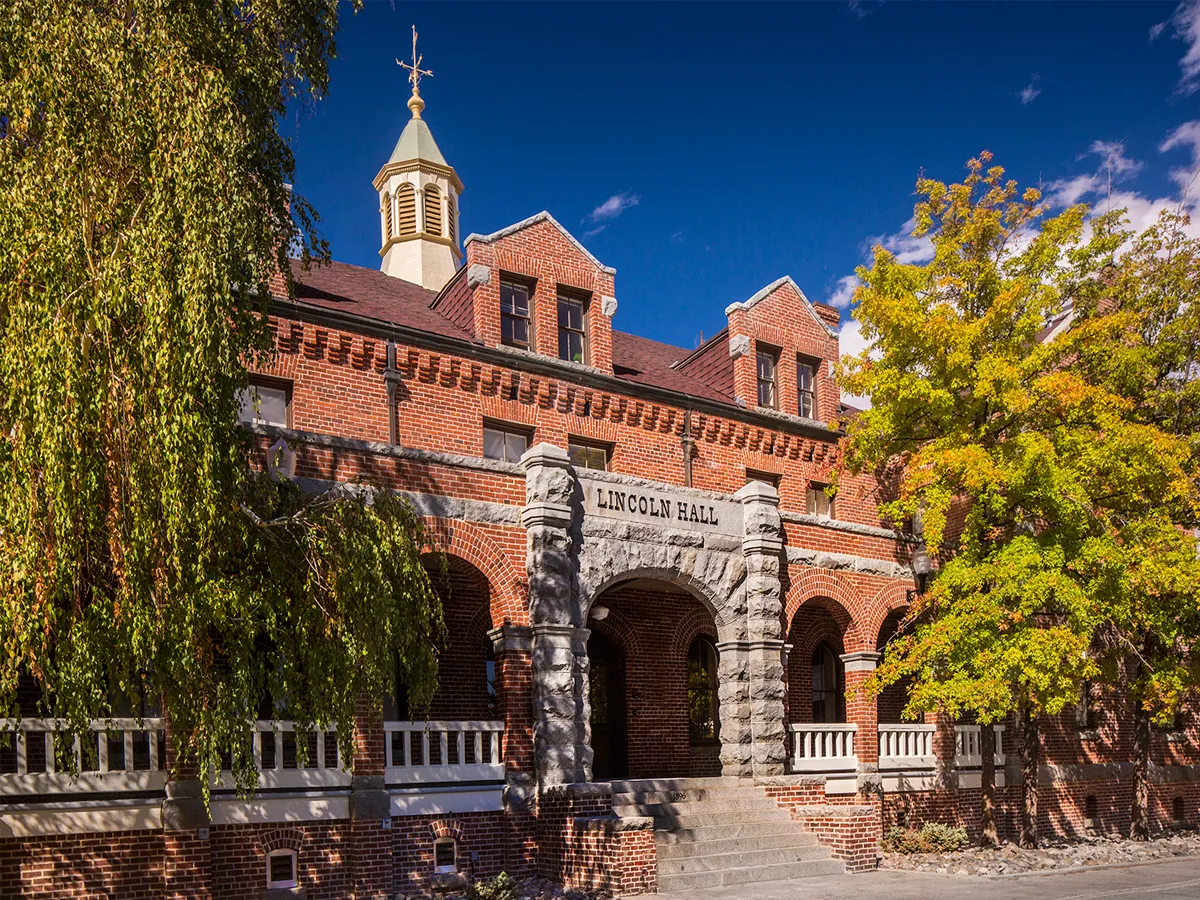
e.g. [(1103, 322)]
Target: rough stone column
[(561, 738), (762, 545), (863, 711), (733, 695), (370, 808)]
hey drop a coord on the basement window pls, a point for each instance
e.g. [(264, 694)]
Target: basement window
[(281, 869), (445, 856)]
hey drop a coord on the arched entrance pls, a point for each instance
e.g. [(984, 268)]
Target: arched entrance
[(653, 683)]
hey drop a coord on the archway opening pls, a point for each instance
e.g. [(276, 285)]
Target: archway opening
[(816, 674), (653, 683), (894, 697)]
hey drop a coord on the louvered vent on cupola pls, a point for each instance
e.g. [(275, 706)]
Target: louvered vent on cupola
[(433, 211), (406, 204)]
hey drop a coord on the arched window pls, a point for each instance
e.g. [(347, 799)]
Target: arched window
[(433, 211), (406, 209), (490, 668), (704, 722), (824, 685), (387, 217)]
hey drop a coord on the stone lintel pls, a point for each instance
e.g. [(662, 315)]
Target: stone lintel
[(861, 660), (518, 638)]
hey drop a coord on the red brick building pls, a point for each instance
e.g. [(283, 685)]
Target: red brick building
[(657, 615)]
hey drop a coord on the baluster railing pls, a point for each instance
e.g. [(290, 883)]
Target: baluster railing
[(114, 755), (443, 751), (282, 764), (968, 750), (823, 747), (906, 746)]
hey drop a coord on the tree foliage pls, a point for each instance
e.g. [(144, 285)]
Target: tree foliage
[(144, 208), (1055, 478)]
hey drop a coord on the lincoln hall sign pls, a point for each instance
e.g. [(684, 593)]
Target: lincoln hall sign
[(667, 509)]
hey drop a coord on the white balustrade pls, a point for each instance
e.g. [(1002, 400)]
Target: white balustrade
[(968, 751), (823, 747), (119, 755), (906, 746), (275, 748), (439, 752)]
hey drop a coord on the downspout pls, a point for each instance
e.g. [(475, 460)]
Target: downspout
[(391, 378), (689, 447)]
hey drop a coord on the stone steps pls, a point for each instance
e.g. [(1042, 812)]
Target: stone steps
[(713, 832)]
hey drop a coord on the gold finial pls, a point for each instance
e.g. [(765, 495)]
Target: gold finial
[(415, 103)]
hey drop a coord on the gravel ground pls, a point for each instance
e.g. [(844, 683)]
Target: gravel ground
[(1010, 859)]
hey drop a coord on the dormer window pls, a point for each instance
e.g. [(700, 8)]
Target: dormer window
[(768, 369), (806, 388), (572, 328), (514, 314)]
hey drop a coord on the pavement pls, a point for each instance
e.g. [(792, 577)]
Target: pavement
[(1175, 879)]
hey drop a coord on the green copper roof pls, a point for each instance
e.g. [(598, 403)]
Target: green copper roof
[(416, 142)]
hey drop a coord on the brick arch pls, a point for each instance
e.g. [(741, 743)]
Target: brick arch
[(446, 828), (473, 545), (281, 839), (891, 597), (824, 588), (695, 623), (621, 631)]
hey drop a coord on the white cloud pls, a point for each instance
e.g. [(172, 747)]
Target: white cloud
[(609, 210), (1185, 23), (1115, 167), (852, 343), (904, 246), (1030, 92), (843, 294)]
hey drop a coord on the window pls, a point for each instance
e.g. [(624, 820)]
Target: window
[(806, 388), (572, 329), (824, 685), (771, 478), (433, 211), (1086, 710), (819, 502), (504, 443), (445, 856), (281, 869), (266, 403), (406, 208), (704, 723), (587, 456), (490, 670), (768, 362), (514, 314)]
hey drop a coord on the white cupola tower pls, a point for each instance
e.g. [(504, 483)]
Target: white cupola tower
[(418, 201)]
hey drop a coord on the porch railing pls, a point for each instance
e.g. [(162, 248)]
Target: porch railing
[(117, 755), (906, 746), (968, 752), (275, 747), (444, 751), (823, 747)]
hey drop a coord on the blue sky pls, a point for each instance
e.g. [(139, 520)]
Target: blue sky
[(705, 150)]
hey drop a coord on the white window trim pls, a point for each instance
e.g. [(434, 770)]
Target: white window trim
[(445, 870), (288, 883)]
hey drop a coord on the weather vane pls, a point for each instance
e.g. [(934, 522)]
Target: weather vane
[(414, 69)]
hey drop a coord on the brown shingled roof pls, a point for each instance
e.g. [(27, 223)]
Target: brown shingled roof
[(644, 361), (373, 295)]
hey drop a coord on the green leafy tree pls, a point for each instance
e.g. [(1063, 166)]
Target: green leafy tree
[(144, 209), (1007, 452)]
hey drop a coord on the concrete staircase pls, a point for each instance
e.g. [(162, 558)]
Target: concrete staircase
[(712, 832)]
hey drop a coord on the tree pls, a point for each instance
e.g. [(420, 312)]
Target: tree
[(144, 209), (1008, 452)]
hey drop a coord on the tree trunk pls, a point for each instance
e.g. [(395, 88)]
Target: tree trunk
[(988, 835), (1139, 824), (1030, 747)]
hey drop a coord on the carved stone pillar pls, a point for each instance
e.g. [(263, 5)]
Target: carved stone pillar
[(863, 711), (561, 711), (762, 545)]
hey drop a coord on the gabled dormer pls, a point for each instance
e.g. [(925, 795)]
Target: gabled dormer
[(783, 348), (535, 288)]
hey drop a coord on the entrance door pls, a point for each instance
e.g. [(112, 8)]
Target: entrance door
[(606, 688)]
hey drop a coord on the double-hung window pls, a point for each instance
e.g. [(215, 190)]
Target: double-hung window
[(504, 442), (266, 403), (768, 367), (819, 502), (806, 388), (514, 314), (572, 328), (587, 455)]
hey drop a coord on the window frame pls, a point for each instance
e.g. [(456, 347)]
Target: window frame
[(766, 352), (568, 297), (443, 869), (507, 429), (259, 382), (814, 489), (829, 693), (507, 281), (574, 443), (709, 657), (283, 884), (814, 367), (774, 479)]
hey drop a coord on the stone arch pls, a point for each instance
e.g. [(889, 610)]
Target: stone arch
[(475, 546)]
